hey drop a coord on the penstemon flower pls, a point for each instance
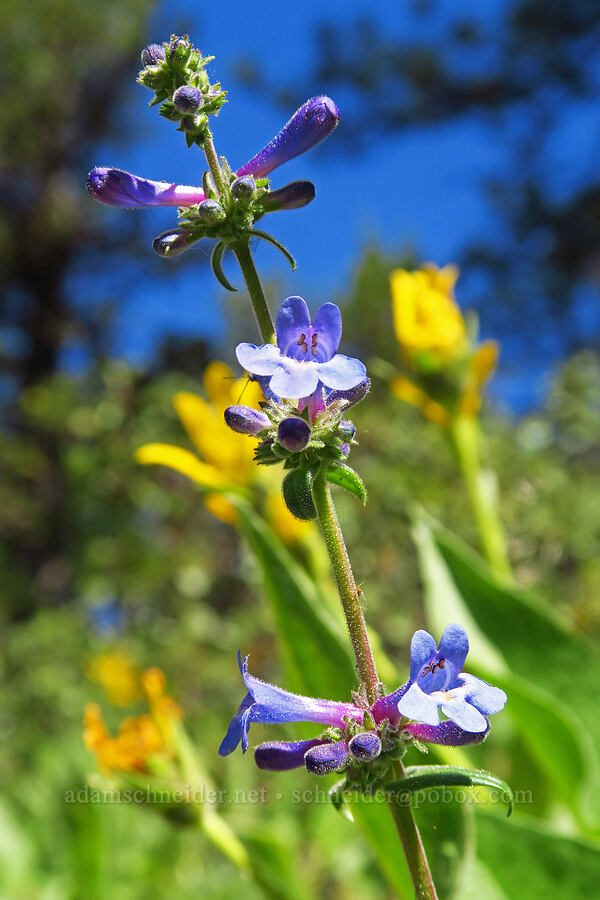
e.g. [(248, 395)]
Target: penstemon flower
[(305, 358), (357, 733)]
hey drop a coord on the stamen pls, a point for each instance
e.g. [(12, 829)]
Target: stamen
[(442, 663), (301, 339)]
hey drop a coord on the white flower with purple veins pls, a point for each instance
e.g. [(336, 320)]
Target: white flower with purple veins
[(305, 358)]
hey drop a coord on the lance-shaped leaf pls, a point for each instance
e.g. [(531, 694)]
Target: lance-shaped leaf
[(344, 476), (422, 778)]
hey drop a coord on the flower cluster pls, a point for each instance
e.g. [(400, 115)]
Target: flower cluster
[(309, 387), (176, 72), (357, 734), (140, 738), (448, 370), (227, 212)]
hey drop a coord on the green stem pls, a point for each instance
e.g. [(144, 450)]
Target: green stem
[(412, 845), (257, 295), (466, 439), (348, 589), (213, 163)]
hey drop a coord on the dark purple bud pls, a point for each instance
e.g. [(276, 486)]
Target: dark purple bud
[(119, 188), (327, 758), (246, 420), (293, 196), (294, 434), (365, 746), (153, 55), (346, 429), (447, 733), (211, 212), (353, 396), (313, 122), (243, 188), (187, 99), (172, 243), (280, 756)]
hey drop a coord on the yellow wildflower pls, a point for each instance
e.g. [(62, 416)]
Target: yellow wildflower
[(229, 457), (118, 675), (139, 737), (405, 389), (426, 316), (481, 367)]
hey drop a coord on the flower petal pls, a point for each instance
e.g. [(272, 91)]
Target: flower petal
[(328, 324), (420, 707), (464, 715), (483, 696), (341, 373), (327, 758), (447, 733), (234, 731), (293, 319), (454, 646), (422, 650), (263, 360), (182, 461), (293, 379), (280, 756), (352, 396)]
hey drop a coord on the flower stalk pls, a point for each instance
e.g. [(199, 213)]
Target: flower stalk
[(412, 845), (255, 290), (465, 435)]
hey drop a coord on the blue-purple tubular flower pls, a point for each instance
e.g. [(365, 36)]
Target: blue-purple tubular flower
[(447, 733), (305, 358), (311, 124), (271, 705), (281, 756), (292, 196), (438, 682), (119, 188)]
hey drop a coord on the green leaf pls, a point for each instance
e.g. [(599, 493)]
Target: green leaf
[(297, 494), (342, 475), (531, 861), (315, 652), (420, 778), (519, 644), (271, 240), (216, 261)]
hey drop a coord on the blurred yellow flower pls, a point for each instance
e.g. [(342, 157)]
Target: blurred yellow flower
[(426, 316), (139, 737), (229, 456), (405, 389), (118, 675), (481, 368)]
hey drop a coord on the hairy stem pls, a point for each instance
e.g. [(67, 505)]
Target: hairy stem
[(412, 845), (466, 438), (347, 587), (213, 163), (257, 295)]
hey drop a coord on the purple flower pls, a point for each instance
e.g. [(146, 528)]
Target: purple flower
[(245, 420), (438, 682), (119, 188), (293, 433), (311, 124), (305, 357), (271, 705)]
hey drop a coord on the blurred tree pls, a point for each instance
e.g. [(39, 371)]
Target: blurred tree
[(528, 71)]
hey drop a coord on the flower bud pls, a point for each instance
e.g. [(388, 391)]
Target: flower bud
[(365, 746), (292, 196), (194, 123), (313, 122), (243, 188), (245, 420), (187, 99), (346, 430), (294, 434), (326, 758), (119, 188), (153, 55), (211, 212), (172, 243), (352, 396), (281, 756), (178, 52)]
